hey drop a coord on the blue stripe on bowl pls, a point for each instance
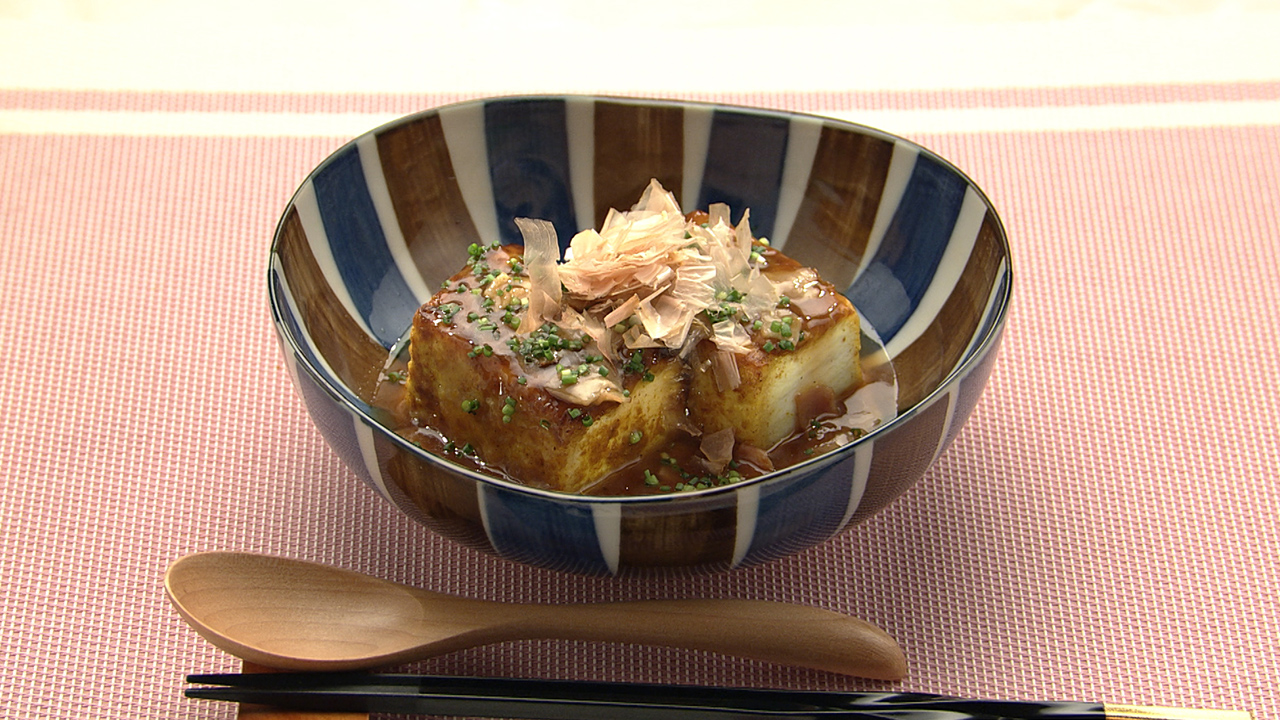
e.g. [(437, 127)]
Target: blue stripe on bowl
[(528, 150), (746, 181), (891, 287), (796, 512), (540, 531), (970, 386), (359, 247), (338, 426)]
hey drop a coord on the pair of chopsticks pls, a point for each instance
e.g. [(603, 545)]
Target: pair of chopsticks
[(585, 700)]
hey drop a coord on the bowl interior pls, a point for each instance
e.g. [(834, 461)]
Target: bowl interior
[(382, 222)]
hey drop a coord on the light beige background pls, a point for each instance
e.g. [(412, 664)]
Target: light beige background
[(494, 46)]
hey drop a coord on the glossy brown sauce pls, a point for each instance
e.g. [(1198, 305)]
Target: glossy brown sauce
[(824, 425), (475, 311)]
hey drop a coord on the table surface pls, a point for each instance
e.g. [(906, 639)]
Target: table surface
[(1104, 528)]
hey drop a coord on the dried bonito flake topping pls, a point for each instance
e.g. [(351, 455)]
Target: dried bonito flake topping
[(655, 277)]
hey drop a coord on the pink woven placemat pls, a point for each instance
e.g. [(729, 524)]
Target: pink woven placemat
[(1104, 528)]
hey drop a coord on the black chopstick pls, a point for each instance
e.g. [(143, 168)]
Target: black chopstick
[(786, 703), (587, 700)]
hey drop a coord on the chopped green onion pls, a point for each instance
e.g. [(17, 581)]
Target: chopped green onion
[(447, 311)]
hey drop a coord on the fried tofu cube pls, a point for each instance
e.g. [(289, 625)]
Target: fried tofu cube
[(523, 431), (764, 409), (661, 341)]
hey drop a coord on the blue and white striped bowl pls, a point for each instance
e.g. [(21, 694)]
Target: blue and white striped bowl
[(385, 219)]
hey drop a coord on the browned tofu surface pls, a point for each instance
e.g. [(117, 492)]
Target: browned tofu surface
[(763, 409), (497, 408), (666, 351), (547, 442)]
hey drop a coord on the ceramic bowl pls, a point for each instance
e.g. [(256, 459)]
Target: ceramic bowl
[(376, 228)]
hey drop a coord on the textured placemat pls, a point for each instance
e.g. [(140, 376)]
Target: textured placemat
[(1104, 527)]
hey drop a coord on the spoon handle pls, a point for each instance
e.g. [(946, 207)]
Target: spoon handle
[(774, 632)]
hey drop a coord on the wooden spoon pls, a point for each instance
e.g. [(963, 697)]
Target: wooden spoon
[(296, 615)]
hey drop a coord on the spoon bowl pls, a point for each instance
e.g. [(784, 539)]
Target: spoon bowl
[(297, 615)]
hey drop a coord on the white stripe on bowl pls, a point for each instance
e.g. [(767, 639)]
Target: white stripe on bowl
[(608, 521), (745, 527), (482, 505), (369, 453), (901, 165), (313, 227), (973, 210), (861, 471), (580, 124), (464, 134), (803, 136), (697, 143), (371, 164)]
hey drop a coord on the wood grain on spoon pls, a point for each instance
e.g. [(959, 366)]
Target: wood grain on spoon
[(298, 615)]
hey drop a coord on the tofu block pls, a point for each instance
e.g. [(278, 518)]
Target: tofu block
[(624, 365), (763, 408), (547, 442)]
